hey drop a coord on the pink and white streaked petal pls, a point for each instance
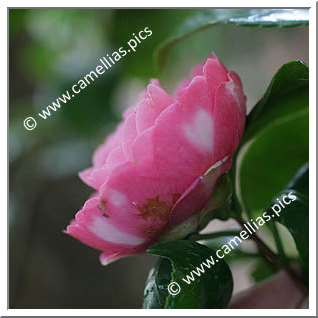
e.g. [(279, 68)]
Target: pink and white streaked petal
[(138, 199), (183, 137), (93, 228)]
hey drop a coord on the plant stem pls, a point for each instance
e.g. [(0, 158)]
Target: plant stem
[(278, 241), (269, 255)]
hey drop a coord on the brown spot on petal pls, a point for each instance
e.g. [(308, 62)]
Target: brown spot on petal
[(102, 205), (155, 208), (148, 230)]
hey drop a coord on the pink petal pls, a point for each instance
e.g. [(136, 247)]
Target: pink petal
[(183, 137), (86, 176), (95, 228), (240, 98), (128, 111), (116, 157), (95, 177), (142, 147), (149, 108), (198, 194), (138, 199), (102, 152), (197, 70), (215, 73), (181, 87), (129, 134), (229, 119)]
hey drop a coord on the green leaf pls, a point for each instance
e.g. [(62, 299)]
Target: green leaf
[(300, 181), (286, 95), (211, 289), (156, 292), (205, 18), (263, 270), (295, 215), (215, 240), (271, 161), (276, 139)]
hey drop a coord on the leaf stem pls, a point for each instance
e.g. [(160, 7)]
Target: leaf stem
[(272, 257), (279, 244)]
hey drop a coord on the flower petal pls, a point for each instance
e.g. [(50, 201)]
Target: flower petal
[(183, 137), (229, 118), (94, 228), (150, 108), (129, 134), (102, 152), (198, 194)]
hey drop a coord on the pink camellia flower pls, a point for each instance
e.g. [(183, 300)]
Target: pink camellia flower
[(161, 165)]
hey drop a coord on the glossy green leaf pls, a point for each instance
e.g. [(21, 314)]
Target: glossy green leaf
[(204, 18), (276, 139), (212, 288), (287, 94), (295, 215), (217, 239), (156, 292), (271, 160)]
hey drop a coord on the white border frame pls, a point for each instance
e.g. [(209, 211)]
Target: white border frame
[(312, 155)]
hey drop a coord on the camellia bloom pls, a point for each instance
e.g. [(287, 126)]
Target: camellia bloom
[(161, 165)]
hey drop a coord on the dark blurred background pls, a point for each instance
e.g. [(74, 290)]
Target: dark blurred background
[(50, 49)]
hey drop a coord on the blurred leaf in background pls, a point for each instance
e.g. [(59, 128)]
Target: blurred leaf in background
[(260, 18)]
